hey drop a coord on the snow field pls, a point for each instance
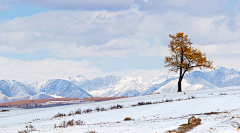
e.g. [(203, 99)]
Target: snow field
[(151, 118)]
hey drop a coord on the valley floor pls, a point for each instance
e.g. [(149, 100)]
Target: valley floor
[(160, 117)]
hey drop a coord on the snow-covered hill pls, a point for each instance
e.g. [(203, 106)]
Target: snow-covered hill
[(116, 86), (11, 90), (217, 109), (221, 77), (79, 86), (129, 86), (4, 98), (77, 80), (63, 88)]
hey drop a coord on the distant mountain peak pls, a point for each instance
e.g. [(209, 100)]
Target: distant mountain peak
[(112, 85), (79, 76), (221, 68)]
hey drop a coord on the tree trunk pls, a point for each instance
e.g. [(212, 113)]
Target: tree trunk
[(180, 84), (180, 79)]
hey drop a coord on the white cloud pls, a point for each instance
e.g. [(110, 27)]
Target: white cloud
[(78, 34), (41, 70), (220, 49), (4, 7), (146, 0), (79, 4), (193, 7), (113, 32), (228, 62), (116, 34), (114, 48)]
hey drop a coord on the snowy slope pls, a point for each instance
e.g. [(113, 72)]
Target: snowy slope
[(36, 85), (12, 88), (221, 77), (161, 79), (4, 98), (41, 96), (152, 118), (63, 88), (128, 86), (100, 82), (77, 80), (158, 82), (79, 86), (116, 86), (60, 87)]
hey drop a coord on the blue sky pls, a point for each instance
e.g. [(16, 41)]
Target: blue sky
[(42, 39)]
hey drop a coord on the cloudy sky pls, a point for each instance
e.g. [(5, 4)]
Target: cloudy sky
[(47, 39)]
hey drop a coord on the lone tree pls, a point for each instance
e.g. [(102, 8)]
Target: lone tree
[(184, 57)]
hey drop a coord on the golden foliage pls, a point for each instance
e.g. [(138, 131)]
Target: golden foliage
[(184, 56)]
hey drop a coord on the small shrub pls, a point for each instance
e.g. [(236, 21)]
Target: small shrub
[(100, 109), (222, 93), (127, 119), (71, 113), (91, 132), (168, 100), (70, 122), (78, 111), (145, 103), (23, 131), (141, 103), (116, 107), (97, 108), (119, 106), (148, 103), (191, 97), (79, 122), (60, 115), (30, 128), (104, 109), (134, 105), (87, 110), (65, 124), (112, 107)]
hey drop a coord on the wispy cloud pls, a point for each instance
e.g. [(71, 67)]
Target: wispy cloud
[(41, 70), (111, 5), (4, 7), (193, 7), (108, 28), (115, 34)]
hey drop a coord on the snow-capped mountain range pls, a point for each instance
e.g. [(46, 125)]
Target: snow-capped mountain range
[(79, 86)]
